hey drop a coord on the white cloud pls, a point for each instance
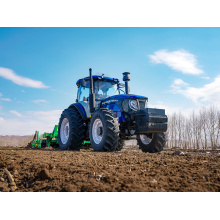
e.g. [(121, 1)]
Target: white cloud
[(208, 93), (5, 99), (39, 101), (45, 116), (1, 119), (179, 60), (30, 122), (20, 80), (15, 113), (170, 109), (178, 83)]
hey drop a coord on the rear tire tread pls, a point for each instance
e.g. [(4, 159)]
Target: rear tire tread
[(77, 129)]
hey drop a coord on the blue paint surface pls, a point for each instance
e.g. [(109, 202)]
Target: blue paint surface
[(124, 96), (117, 110), (82, 108)]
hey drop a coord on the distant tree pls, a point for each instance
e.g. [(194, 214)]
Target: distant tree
[(200, 130)]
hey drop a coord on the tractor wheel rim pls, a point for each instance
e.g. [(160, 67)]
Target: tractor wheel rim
[(145, 139), (96, 134), (64, 131)]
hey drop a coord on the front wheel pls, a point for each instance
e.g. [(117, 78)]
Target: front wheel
[(104, 131), (152, 143)]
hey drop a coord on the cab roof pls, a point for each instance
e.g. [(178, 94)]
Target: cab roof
[(98, 77)]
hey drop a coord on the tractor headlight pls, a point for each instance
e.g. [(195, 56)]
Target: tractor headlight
[(133, 104)]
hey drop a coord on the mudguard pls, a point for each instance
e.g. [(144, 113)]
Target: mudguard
[(81, 110)]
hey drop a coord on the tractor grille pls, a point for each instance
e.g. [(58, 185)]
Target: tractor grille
[(142, 103)]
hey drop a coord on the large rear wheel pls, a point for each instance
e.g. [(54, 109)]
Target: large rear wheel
[(104, 131), (71, 131), (152, 143)]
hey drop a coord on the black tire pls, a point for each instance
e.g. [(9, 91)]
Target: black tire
[(110, 131), (76, 130), (156, 145), (44, 143)]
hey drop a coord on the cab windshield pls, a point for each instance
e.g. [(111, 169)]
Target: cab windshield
[(102, 90)]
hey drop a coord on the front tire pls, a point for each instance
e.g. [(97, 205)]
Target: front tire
[(104, 131), (153, 143), (71, 131)]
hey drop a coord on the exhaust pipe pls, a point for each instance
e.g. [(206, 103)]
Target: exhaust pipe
[(126, 78), (91, 94)]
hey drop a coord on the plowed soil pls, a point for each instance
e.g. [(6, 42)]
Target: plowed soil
[(129, 170)]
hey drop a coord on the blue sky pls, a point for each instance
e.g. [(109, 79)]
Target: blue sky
[(177, 68)]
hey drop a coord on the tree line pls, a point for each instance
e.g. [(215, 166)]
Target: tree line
[(200, 130)]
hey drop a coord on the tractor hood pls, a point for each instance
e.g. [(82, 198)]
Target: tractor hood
[(118, 99), (124, 96), (120, 105)]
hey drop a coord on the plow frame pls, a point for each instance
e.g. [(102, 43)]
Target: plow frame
[(50, 139)]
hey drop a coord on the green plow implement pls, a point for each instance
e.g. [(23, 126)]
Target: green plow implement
[(49, 139)]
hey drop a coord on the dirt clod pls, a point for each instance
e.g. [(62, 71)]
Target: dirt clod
[(154, 181), (15, 173), (69, 188), (4, 187), (179, 153), (44, 174)]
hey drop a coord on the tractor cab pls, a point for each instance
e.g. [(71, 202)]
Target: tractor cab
[(104, 87)]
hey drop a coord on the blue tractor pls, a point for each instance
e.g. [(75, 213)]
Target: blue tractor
[(106, 116)]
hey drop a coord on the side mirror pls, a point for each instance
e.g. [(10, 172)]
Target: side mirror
[(121, 85), (83, 83)]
